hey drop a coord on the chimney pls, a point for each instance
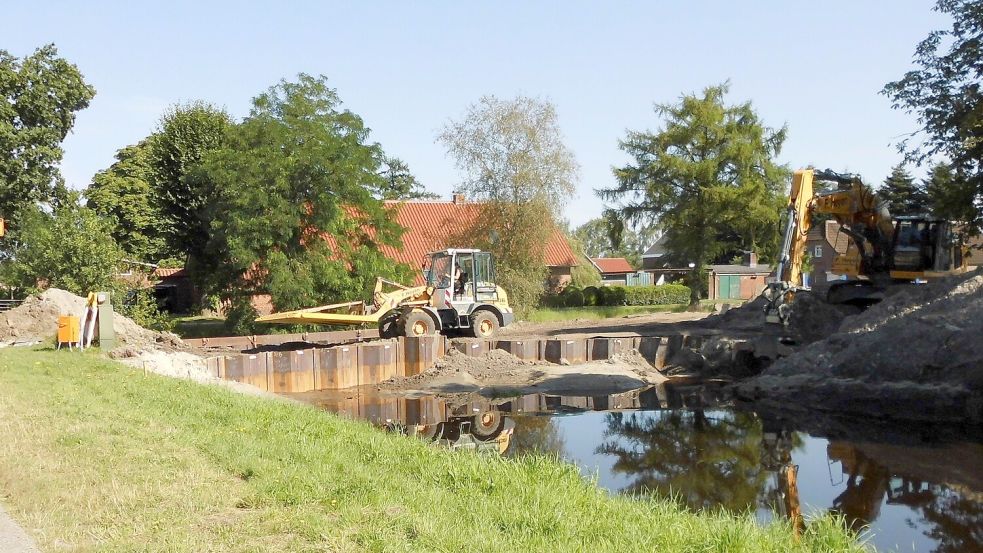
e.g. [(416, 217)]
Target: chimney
[(752, 259), (457, 198)]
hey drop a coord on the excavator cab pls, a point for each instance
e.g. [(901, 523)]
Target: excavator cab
[(924, 246)]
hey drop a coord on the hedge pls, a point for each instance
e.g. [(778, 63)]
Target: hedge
[(667, 294)]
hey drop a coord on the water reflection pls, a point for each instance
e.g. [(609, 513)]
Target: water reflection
[(671, 441)]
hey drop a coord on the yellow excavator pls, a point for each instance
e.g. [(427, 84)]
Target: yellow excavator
[(881, 252), (460, 294)]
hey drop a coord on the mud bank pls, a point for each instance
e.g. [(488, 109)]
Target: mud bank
[(499, 373), (918, 355)]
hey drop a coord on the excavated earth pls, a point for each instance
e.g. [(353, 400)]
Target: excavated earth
[(499, 373), (918, 355)]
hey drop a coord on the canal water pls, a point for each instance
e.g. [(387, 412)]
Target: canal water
[(903, 489)]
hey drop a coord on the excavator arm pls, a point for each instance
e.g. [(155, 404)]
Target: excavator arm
[(855, 207)]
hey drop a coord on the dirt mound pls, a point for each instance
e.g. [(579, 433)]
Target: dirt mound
[(811, 318), (500, 372), (919, 353), (36, 320)]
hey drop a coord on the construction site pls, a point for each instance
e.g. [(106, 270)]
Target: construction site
[(905, 372), (437, 319)]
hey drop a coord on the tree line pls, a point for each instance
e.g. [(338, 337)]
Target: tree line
[(290, 200)]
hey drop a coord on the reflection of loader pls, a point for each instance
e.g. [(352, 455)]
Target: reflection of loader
[(460, 294), (487, 431)]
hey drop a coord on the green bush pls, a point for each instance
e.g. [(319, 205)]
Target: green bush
[(141, 306), (573, 298), (667, 294), (592, 296), (612, 295)]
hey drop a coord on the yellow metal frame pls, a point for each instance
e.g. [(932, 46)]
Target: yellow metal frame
[(356, 312)]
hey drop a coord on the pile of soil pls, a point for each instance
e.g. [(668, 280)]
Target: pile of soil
[(811, 318), (499, 372), (36, 320), (916, 355)]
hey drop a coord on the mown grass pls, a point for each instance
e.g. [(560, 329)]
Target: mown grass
[(95, 456)]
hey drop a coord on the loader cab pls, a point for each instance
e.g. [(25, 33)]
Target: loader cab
[(465, 276)]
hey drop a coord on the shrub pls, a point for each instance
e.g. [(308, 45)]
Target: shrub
[(573, 298), (668, 294), (612, 295), (592, 296)]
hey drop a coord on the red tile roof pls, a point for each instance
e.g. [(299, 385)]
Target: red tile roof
[(613, 264), (163, 272), (430, 226)]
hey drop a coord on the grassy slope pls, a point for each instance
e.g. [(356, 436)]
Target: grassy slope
[(94, 455)]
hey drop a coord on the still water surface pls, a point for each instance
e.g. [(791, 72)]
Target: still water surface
[(905, 489)]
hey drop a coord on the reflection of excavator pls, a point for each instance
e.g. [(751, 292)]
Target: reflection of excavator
[(460, 295), (881, 251)]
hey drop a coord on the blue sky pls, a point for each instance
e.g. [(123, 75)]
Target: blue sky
[(407, 67)]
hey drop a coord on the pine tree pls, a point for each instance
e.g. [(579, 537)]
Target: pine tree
[(708, 177), (902, 194)]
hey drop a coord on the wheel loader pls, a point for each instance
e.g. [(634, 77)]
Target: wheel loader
[(460, 295)]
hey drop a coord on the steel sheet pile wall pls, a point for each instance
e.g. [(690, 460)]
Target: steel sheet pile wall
[(368, 363)]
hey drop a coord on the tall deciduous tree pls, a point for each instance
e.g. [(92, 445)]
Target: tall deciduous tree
[(949, 197), (293, 211), (186, 134), (70, 248), (708, 177), (901, 192), (123, 194), (39, 97), (513, 160), (944, 91)]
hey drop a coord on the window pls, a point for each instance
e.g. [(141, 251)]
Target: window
[(817, 252)]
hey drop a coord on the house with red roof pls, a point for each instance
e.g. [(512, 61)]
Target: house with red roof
[(431, 225), (614, 270)]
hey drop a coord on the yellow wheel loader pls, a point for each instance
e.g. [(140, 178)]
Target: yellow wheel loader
[(460, 295)]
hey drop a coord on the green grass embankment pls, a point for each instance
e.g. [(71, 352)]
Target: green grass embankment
[(96, 456)]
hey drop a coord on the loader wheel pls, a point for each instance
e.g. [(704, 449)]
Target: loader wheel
[(484, 324), (389, 326), (418, 324), (487, 425)]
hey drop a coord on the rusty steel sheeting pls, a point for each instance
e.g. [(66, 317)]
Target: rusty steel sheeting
[(335, 368), (526, 350), (473, 348), (248, 369), (599, 349), (562, 351), (292, 371)]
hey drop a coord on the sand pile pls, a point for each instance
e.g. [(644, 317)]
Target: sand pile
[(36, 320), (917, 354), (501, 371)]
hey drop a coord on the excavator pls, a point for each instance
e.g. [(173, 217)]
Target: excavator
[(882, 251), (460, 295)]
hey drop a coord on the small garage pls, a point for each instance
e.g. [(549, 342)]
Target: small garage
[(737, 282)]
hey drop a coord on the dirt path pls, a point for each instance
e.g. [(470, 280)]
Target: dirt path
[(649, 324), (13, 538)]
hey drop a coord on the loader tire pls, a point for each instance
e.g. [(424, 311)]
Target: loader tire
[(418, 323), (389, 326), (484, 324)]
